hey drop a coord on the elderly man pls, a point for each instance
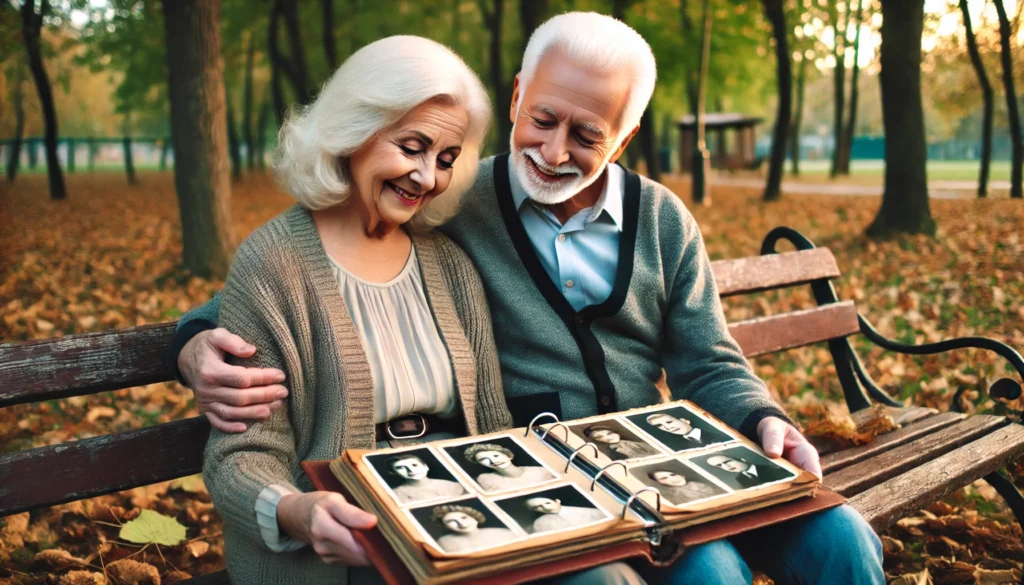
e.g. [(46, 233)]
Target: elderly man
[(598, 282), (746, 474)]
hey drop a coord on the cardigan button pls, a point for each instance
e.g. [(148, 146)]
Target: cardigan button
[(606, 401), (580, 320)]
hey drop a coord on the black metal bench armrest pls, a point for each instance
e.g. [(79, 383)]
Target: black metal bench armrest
[(1003, 388)]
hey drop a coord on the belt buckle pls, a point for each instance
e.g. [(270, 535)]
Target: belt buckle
[(422, 431)]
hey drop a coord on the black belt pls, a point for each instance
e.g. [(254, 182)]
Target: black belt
[(414, 426)]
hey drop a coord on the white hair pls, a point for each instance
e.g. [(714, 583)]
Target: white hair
[(598, 42), (373, 89)]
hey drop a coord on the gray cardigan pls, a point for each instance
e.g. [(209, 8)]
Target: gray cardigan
[(282, 297), (664, 314)]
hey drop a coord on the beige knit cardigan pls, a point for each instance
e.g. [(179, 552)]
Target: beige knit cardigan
[(282, 297)]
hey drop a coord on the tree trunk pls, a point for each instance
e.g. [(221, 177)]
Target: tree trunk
[(851, 120), (839, 93), (700, 164), (165, 148), (198, 129), (649, 143), (129, 162), (690, 81), (1017, 146), (18, 101), (234, 149), (294, 67), (250, 63), (798, 116), (775, 12), (493, 17), (261, 133), (988, 97), (31, 27), (531, 14), (905, 198), (277, 91), (330, 49)]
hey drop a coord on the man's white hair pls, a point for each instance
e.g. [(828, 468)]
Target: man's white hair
[(373, 89), (598, 42)]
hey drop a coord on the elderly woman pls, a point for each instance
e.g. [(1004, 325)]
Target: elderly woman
[(464, 532), (380, 325)]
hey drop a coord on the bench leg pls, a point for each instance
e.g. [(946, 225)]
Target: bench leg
[(1005, 488)]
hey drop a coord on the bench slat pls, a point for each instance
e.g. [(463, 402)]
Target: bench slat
[(758, 273), (796, 329), (835, 461), (84, 364), (871, 472), (883, 504), (53, 475)]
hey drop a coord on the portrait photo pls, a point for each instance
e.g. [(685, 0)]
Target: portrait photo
[(415, 475), (463, 526), (742, 468), (499, 464), (679, 429), (615, 440), (677, 482), (553, 509)]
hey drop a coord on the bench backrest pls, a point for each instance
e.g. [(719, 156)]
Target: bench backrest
[(86, 364)]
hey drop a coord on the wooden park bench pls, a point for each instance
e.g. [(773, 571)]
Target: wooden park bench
[(902, 471)]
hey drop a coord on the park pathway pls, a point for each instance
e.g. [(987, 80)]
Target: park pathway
[(942, 189)]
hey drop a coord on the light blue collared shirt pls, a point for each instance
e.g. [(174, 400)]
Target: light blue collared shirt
[(582, 256)]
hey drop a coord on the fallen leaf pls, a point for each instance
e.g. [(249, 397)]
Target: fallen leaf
[(129, 572), (153, 527), (986, 577), (56, 559), (192, 484), (922, 578), (99, 412), (198, 548), (82, 578)]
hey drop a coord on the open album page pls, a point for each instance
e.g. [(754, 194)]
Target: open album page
[(475, 500), (685, 455)]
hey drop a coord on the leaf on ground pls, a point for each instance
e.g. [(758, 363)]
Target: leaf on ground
[(82, 578), (922, 578), (56, 559), (192, 484), (153, 527), (129, 572), (100, 412), (1002, 577), (198, 548)]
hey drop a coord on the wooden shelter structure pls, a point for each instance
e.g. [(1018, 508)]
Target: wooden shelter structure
[(717, 125)]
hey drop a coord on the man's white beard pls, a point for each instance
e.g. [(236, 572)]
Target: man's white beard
[(540, 191)]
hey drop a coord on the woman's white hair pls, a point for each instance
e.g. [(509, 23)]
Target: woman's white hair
[(598, 42), (373, 89)]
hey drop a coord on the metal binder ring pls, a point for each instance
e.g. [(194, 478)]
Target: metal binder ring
[(577, 451), (629, 502), (593, 484), (541, 415), (558, 424)]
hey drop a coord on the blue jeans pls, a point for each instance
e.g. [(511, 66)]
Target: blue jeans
[(828, 548)]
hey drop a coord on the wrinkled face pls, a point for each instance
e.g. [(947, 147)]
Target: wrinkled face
[(492, 459), (544, 505), (400, 170), (605, 436), (566, 127), (728, 463), (410, 468), (668, 478), (670, 424), (459, 522)]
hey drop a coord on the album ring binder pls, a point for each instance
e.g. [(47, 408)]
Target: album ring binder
[(568, 462)]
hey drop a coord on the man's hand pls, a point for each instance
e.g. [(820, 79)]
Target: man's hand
[(228, 394), (781, 439), (325, 521)]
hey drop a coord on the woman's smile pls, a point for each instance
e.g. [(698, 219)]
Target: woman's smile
[(405, 197)]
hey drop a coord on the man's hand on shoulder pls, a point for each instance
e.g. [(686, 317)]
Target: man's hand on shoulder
[(781, 439), (228, 394)]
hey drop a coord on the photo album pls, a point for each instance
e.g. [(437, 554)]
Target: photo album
[(463, 508)]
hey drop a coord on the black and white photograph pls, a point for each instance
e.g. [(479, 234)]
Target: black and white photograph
[(742, 468), (679, 428), (463, 526), (677, 482), (416, 475), (615, 440), (553, 509), (499, 464)]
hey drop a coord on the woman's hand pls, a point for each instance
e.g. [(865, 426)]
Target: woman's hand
[(324, 520)]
